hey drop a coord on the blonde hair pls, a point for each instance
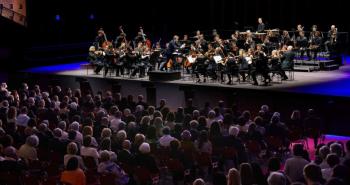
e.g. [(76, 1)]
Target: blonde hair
[(92, 48)]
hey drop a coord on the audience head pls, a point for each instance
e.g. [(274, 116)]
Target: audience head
[(233, 131), (337, 149), (332, 160), (246, 172), (166, 130), (72, 164), (233, 177), (274, 164), (104, 156), (32, 141), (186, 135), (324, 151), (298, 150), (198, 181), (72, 148), (312, 174), (276, 178), (144, 148)]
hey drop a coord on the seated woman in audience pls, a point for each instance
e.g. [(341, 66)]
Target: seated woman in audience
[(88, 131), (10, 162), (233, 177), (203, 145), (28, 150), (106, 146), (73, 174), (246, 172), (87, 150), (144, 159), (72, 150), (110, 167)]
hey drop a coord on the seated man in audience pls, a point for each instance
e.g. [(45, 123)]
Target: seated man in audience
[(294, 166), (313, 175), (332, 161), (165, 140)]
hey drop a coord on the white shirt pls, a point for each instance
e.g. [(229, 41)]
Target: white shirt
[(165, 140)]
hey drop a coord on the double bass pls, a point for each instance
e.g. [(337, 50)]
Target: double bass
[(106, 44)]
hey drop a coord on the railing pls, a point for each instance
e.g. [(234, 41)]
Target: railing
[(12, 15)]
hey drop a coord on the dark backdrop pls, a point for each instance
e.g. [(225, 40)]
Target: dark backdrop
[(164, 18)]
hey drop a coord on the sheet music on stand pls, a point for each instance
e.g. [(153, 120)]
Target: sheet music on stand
[(217, 58)]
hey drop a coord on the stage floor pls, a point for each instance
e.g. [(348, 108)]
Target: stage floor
[(331, 83)]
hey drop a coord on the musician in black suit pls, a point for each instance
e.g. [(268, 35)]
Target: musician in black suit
[(261, 25), (301, 43), (174, 46), (315, 43), (109, 60)]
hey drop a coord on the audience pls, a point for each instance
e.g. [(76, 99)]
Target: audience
[(59, 128)]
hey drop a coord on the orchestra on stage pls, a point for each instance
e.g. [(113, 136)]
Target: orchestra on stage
[(243, 56)]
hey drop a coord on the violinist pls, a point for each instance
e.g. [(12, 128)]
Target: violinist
[(231, 67), (201, 43), (110, 59), (275, 64), (156, 56), (212, 66), (249, 42), (218, 42), (96, 59), (243, 65)]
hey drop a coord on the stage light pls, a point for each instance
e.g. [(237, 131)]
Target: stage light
[(58, 17), (92, 17)]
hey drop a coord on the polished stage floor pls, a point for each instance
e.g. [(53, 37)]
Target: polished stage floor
[(332, 83)]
